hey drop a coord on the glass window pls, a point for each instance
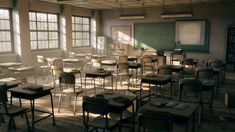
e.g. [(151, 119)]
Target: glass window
[(81, 31), (44, 33), (5, 31)]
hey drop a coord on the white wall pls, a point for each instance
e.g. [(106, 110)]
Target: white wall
[(22, 49), (219, 16)]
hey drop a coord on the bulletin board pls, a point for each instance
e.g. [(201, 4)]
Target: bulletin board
[(121, 34)]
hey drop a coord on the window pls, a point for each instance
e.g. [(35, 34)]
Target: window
[(5, 31), (44, 33), (81, 31)]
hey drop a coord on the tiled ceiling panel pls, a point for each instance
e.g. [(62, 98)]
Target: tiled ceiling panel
[(116, 4)]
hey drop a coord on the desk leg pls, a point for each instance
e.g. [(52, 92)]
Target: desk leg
[(94, 86), (85, 84), (133, 117), (32, 111), (52, 110), (193, 122), (171, 89), (104, 84), (112, 81)]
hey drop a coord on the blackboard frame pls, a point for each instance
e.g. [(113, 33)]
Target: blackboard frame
[(144, 31)]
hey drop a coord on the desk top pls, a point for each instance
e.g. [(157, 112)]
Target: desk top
[(25, 93), (187, 111), (118, 101), (156, 79), (108, 62), (21, 68), (9, 64), (96, 73), (71, 60), (10, 82)]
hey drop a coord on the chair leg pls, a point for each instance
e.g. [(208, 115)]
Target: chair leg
[(75, 102), (27, 121), (60, 99)]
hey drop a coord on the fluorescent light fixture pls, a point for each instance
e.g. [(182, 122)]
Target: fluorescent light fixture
[(176, 15), (135, 16)]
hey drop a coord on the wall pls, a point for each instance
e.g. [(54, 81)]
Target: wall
[(21, 10), (219, 16)]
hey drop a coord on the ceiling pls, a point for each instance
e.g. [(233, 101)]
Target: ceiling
[(117, 4)]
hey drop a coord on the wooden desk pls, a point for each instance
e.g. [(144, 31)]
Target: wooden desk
[(71, 61), (23, 92), (22, 69), (119, 102), (99, 74), (187, 112), (156, 80)]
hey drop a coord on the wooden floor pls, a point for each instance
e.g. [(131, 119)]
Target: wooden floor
[(66, 121)]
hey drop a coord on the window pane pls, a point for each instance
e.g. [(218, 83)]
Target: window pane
[(52, 18), (44, 29), (5, 31), (52, 26), (85, 21), (85, 27), (41, 17), (53, 35), (33, 25), (42, 35), (32, 16), (4, 14), (81, 31), (33, 44), (33, 36), (42, 26)]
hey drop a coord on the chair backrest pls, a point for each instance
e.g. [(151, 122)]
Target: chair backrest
[(67, 78), (41, 60), (95, 105), (165, 70), (147, 61), (123, 58), (214, 63), (58, 62), (71, 55), (187, 61), (3, 97), (191, 85), (204, 72), (56, 71), (157, 121), (122, 68), (95, 63)]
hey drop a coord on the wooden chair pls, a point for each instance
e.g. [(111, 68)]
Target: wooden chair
[(147, 64), (67, 87), (205, 75), (189, 67), (155, 121), (122, 71), (11, 110), (123, 58), (43, 64), (100, 106), (190, 91)]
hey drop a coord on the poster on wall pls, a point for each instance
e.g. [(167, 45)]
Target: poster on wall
[(190, 32), (121, 34)]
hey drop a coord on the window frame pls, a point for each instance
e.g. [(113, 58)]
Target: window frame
[(47, 31), (72, 22), (11, 32)]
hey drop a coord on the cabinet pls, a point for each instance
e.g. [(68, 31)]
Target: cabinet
[(101, 45), (230, 52)]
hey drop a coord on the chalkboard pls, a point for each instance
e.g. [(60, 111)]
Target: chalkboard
[(161, 36)]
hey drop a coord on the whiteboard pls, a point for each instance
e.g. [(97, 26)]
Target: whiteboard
[(190, 32)]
